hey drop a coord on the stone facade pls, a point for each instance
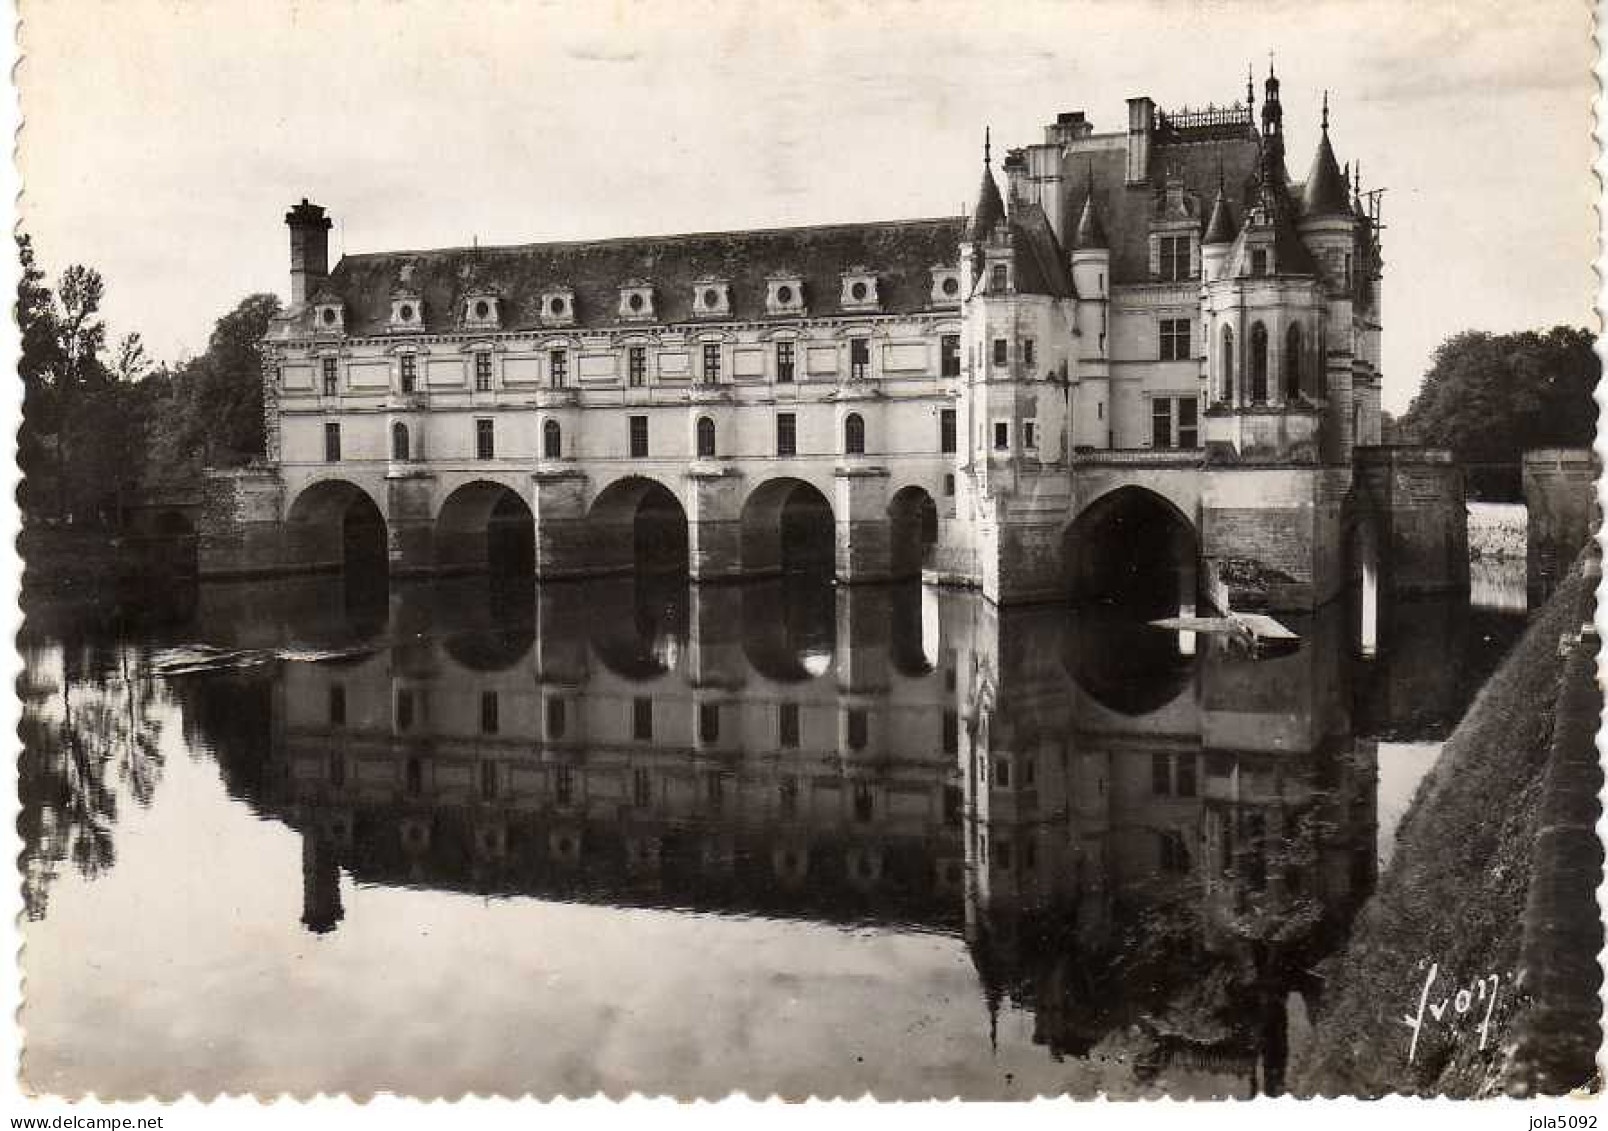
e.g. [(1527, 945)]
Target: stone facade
[(1154, 318)]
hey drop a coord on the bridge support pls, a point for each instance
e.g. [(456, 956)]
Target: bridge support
[(862, 534), (563, 548), (1414, 499), (714, 523), (1560, 493), (410, 525), (239, 533), (1271, 537)]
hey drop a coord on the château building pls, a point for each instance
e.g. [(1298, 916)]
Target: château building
[(1144, 352)]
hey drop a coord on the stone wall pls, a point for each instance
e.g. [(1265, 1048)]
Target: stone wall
[(1560, 490), (1412, 500), (238, 532)]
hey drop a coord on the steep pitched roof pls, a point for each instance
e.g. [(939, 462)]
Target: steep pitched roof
[(1091, 233), (1040, 262), (1325, 192), (1221, 227), (990, 207), (900, 253)]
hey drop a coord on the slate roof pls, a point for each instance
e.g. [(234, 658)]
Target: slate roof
[(1221, 227), (1091, 233), (1041, 265), (990, 208), (1325, 191), (900, 253)]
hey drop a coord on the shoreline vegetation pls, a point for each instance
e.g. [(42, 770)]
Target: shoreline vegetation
[(1453, 901)]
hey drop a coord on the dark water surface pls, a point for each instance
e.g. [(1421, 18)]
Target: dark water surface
[(785, 837)]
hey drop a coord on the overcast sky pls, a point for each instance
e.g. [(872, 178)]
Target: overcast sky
[(163, 142)]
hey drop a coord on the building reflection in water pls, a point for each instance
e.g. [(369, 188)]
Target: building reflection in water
[(1145, 842)]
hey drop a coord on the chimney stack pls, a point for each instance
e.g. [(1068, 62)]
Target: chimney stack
[(309, 250)]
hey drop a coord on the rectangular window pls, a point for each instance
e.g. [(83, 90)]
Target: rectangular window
[(784, 362), (488, 712), (857, 725), (949, 486), (949, 355), (708, 722), (1259, 262), (1002, 436), (1186, 775), (1160, 775), (639, 437), (642, 720), (1175, 339), (951, 732), (482, 372), (328, 365), (563, 784), (1002, 352), (998, 278), (715, 790), (787, 794), (636, 366), (555, 718), (558, 367), (1174, 258), (337, 705), (332, 443), (1188, 422), (1030, 435), (859, 357), (711, 364), (410, 372), (946, 431), (641, 787), (1029, 352), (864, 801), (786, 434), (1002, 772), (787, 725), (1161, 422), (488, 780), (404, 710), (485, 445)]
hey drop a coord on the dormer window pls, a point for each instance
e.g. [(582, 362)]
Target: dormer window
[(999, 279), (945, 286), (482, 311), (558, 307), (711, 298), (636, 302), (784, 295), (329, 318), (1259, 261), (407, 312), (859, 290)]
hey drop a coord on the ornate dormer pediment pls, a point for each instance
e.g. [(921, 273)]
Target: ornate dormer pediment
[(557, 306), (407, 303), (711, 297), (329, 311), (636, 301), (859, 291), (482, 306), (784, 293), (945, 286)]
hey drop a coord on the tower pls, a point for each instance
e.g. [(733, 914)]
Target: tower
[(309, 250)]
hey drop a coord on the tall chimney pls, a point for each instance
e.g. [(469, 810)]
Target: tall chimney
[(309, 250), (1141, 123)]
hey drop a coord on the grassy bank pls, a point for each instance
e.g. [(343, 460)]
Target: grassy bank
[(1454, 895)]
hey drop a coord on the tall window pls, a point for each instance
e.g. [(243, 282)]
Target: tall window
[(485, 446), (1002, 436), (563, 784), (1030, 435), (399, 441), (1160, 775), (711, 364), (1161, 422), (1002, 351), (1228, 365), (1188, 422), (558, 367), (636, 366), (1259, 261), (328, 365), (337, 705), (1029, 353), (332, 443), (642, 719), (639, 437), (641, 787), (1175, 339), (787, 725), (555, 718), (1258, 364), (997, 278), (1174, 258), (489, 722), (1323, 361), (949, 355), (946, 430), (858, 725), (1292, 363), (410, 372), (784, 362), (859, 357), (854, 434), (709, 722), (552, 440), (706, 438), (482, 372), (1174, 422), (786, 434)]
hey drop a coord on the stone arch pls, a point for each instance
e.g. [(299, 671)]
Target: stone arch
[(913, 521), (1258, 364), (1132, 546), (789, 631), (637, 524), (787, 527), (486, 525), (335, 524)]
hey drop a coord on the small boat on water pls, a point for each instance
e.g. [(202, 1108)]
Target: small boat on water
[(1257, 633)]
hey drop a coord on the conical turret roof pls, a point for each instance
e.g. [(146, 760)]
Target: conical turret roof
[(1091, 233), (1325, 193), (990, 205), (1220, 228)]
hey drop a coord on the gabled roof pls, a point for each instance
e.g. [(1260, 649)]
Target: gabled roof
[(901, 253)]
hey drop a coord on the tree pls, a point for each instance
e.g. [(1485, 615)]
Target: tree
[(1492, 397), (40, 360)]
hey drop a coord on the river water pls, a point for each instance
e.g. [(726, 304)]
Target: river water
[(480, 836)]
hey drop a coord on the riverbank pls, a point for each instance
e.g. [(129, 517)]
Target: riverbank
[(66, 562), (1453, 902)]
